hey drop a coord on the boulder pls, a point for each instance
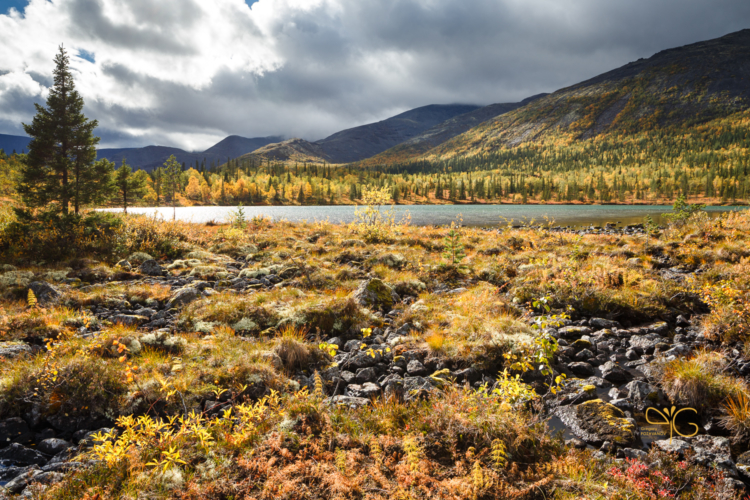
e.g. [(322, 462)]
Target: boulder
[(14, 430), (613, 373), (366, 375), (569, 332), (44, 292), (9, 350), (596, 422), (128, 319), (350, 401), (417, 388), (151, 268), (182, 297), (416, 369), (366, 390), (643, 395), (581, 369), (170, 344), (674, 445), (376, 295), (602, 323), (53, 446), (19, 454), (714, 451), (19, 483)]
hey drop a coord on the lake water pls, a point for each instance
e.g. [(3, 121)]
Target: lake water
[(421, 215)]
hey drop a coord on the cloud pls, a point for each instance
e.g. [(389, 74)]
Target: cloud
[(189, 72)]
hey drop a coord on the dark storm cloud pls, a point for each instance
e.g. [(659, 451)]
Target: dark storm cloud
[(311, 68)]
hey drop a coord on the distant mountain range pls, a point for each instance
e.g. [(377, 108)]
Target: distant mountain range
[(150, 157)]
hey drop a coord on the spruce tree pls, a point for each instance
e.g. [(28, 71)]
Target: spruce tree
[(172, 171), (61, 167), (130, 186)]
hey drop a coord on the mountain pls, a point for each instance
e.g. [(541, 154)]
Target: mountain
[(234, 146), (446, 130), (9, 143), (365, 141), (674, 88), (362, 142), (150, 157)]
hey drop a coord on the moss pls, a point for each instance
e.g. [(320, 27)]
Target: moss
[(607, 421)]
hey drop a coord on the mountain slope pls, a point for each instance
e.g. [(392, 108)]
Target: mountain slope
[(362, 142), (675, 87), (234, 146), (9, 143), (446, 130), (368, 140)]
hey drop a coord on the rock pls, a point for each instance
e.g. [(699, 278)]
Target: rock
[(145, 311), (582, 369), (416, 369), (576, 443), (362, 360), (573, 331), (575, 391), (613, 373), (19, 483), (602, 323), (417, 388), (182, 297), (366, 390), (124, 264), (19, 454), (682, 321), (366, 375), (128, 319), (10, 350), (467, 374), (350, 401), (170, 344), (44, 292), (643, 394), (352, 345), (584, 355), (151, 268), (376, 295), (645, 343), (679, 350), (714, 451), (596, 422), (14, 430), (660, 327), (672, 446), (53, 446)]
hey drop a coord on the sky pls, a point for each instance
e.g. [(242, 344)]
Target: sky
[(188, 73)]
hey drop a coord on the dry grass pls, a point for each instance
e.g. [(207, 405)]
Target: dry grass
[(700, 381)]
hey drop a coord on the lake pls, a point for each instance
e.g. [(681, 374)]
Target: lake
[(421, 215)]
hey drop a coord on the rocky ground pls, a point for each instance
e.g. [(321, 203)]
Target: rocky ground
[(373, 341)]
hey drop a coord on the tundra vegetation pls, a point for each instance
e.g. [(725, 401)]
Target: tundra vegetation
[(276, 360)]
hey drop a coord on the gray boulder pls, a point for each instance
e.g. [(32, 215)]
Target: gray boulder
[(182, 297), (416, 369), (9, 350), (613, 373), (53, 446), (44, 292), (366, 390), (376, 295), (151, 268), (417, 388), (596, 422), (643, 395), (350, 401), (581, 369), (19, 483), (602, 323)]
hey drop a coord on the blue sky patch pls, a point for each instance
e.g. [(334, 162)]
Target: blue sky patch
[(84, 54), (19, 5)]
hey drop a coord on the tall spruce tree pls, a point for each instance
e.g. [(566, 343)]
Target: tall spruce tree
[(61, 167)]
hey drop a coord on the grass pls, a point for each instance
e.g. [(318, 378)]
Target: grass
[(245, 350)]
